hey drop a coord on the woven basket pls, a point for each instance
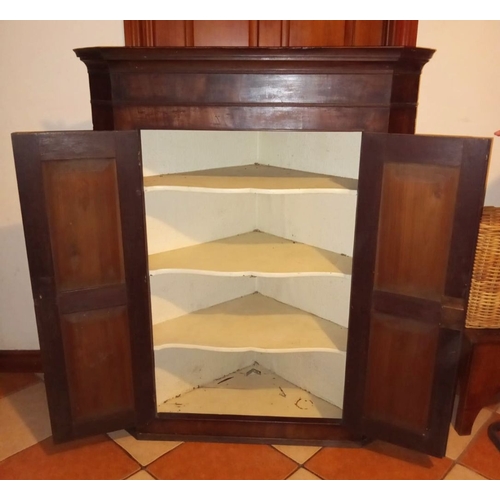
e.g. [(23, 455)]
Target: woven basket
[(483, 310)]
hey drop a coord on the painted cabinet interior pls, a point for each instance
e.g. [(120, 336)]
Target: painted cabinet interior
[(250, 241)]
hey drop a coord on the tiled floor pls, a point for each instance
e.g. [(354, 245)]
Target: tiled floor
[(27, 452)]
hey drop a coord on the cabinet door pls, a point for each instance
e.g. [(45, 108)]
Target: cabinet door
[(83, 213), (419, 205)]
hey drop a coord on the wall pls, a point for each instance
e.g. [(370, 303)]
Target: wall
[(459, 88), (44, 87)]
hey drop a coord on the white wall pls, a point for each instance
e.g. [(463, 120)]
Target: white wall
[(459, 92), (44, 86)]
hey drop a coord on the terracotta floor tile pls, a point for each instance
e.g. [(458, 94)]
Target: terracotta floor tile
[(24, 420), (377, 461), (13, 382), (459, 472), (303, 474), (482, 456), (144, 452), (298, 453), (222, 461), (457, 444), (142, 474), (93, 458)]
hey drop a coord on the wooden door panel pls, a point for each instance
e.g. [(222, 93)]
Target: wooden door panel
[(83, 214), (415, 262), (98, 361), (84, 221), (401, 359), (419, 205)]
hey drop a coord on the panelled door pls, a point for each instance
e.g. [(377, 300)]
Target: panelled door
[(419, 205), (83, 214), (295, 33)]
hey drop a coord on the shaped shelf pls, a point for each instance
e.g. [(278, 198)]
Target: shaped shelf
[(251, 391), (251, 254), (250, 178), (251, 323)]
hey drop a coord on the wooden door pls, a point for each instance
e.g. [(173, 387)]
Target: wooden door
[(83, 213), (419, 205), (308, 33)]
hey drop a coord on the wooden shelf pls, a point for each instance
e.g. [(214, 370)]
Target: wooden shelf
[(251, 254), (250, 178), (253, 390), (251, 323)]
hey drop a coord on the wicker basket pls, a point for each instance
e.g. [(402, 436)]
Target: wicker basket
[(483, 310)]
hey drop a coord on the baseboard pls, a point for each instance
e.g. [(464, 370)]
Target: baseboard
[(21, 361)]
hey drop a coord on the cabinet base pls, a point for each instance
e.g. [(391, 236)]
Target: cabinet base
[(238, 429)]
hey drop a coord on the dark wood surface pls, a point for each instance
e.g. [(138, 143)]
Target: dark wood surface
[(373, 89), (97, 355), (251, 429), (69, 186), (83, 215), (479, 376), (132, 210), (21, 361), (310, 33), (419, 204)]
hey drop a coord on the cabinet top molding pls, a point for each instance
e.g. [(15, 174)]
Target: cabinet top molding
[(415, 55), (224, 88)]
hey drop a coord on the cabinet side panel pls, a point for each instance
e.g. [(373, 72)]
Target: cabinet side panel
[(97, 352), (84, 221)]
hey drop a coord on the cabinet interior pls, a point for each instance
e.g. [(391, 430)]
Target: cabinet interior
[(250, 241)]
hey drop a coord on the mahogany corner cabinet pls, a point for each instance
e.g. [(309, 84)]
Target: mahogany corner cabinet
[(253, 246)]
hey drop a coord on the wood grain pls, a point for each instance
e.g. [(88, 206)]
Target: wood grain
[(232, 88), (84, 222), (79, 192), (98, 359), (162, 33), (405, 325)]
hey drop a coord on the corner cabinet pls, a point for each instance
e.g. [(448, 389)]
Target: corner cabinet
[(253, 233)]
